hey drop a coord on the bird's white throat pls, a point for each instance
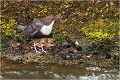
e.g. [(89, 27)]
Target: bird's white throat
[(46, 30)]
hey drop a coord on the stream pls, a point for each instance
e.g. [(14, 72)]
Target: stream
[(13, 70)]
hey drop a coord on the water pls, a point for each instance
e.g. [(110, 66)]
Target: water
[(11, 70)]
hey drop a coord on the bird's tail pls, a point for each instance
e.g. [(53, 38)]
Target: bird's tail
[(20, 27)]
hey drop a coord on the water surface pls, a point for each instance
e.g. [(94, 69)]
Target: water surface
[(12, 70)]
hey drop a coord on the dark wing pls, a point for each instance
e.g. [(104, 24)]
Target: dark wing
[(20, 27), (31, 30), (37, 24), (35, 27), (28, 30)]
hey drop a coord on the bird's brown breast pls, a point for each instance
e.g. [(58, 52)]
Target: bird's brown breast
[(39, 34)]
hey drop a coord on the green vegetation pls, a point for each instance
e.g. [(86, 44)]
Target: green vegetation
[(8, 29), (102, 29), (60, 35), (75, 13), (97, 20)]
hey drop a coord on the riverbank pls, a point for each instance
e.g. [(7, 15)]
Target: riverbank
[(67, 52)]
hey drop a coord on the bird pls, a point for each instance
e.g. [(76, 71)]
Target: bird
[(39, 28)]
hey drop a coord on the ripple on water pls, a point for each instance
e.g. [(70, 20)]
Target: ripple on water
[(93, 68), (51, 71), (1, 77), (13, 72)]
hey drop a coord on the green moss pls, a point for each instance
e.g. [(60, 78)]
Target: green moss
[(101, 29), (60, 35), (8, 28)]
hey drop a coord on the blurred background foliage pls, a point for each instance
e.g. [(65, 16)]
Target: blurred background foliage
[(95, 19)]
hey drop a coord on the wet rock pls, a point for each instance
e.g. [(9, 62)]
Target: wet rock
[(78, 47), (100, 55), (4, 58), (66, 44), (108, 56), (18, 58)]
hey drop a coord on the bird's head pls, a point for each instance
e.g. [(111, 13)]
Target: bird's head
[(49, 19), (52, 17)]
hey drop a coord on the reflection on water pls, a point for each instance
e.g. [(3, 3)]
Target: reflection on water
[(55, 71)]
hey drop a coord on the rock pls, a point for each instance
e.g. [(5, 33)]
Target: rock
[(108, 56)]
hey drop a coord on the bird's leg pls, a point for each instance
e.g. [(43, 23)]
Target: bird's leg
[(35, 48), (43, 49)]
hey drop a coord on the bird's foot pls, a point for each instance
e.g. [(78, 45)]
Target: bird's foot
[(41, 51), (44, 51), (38, 52)]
